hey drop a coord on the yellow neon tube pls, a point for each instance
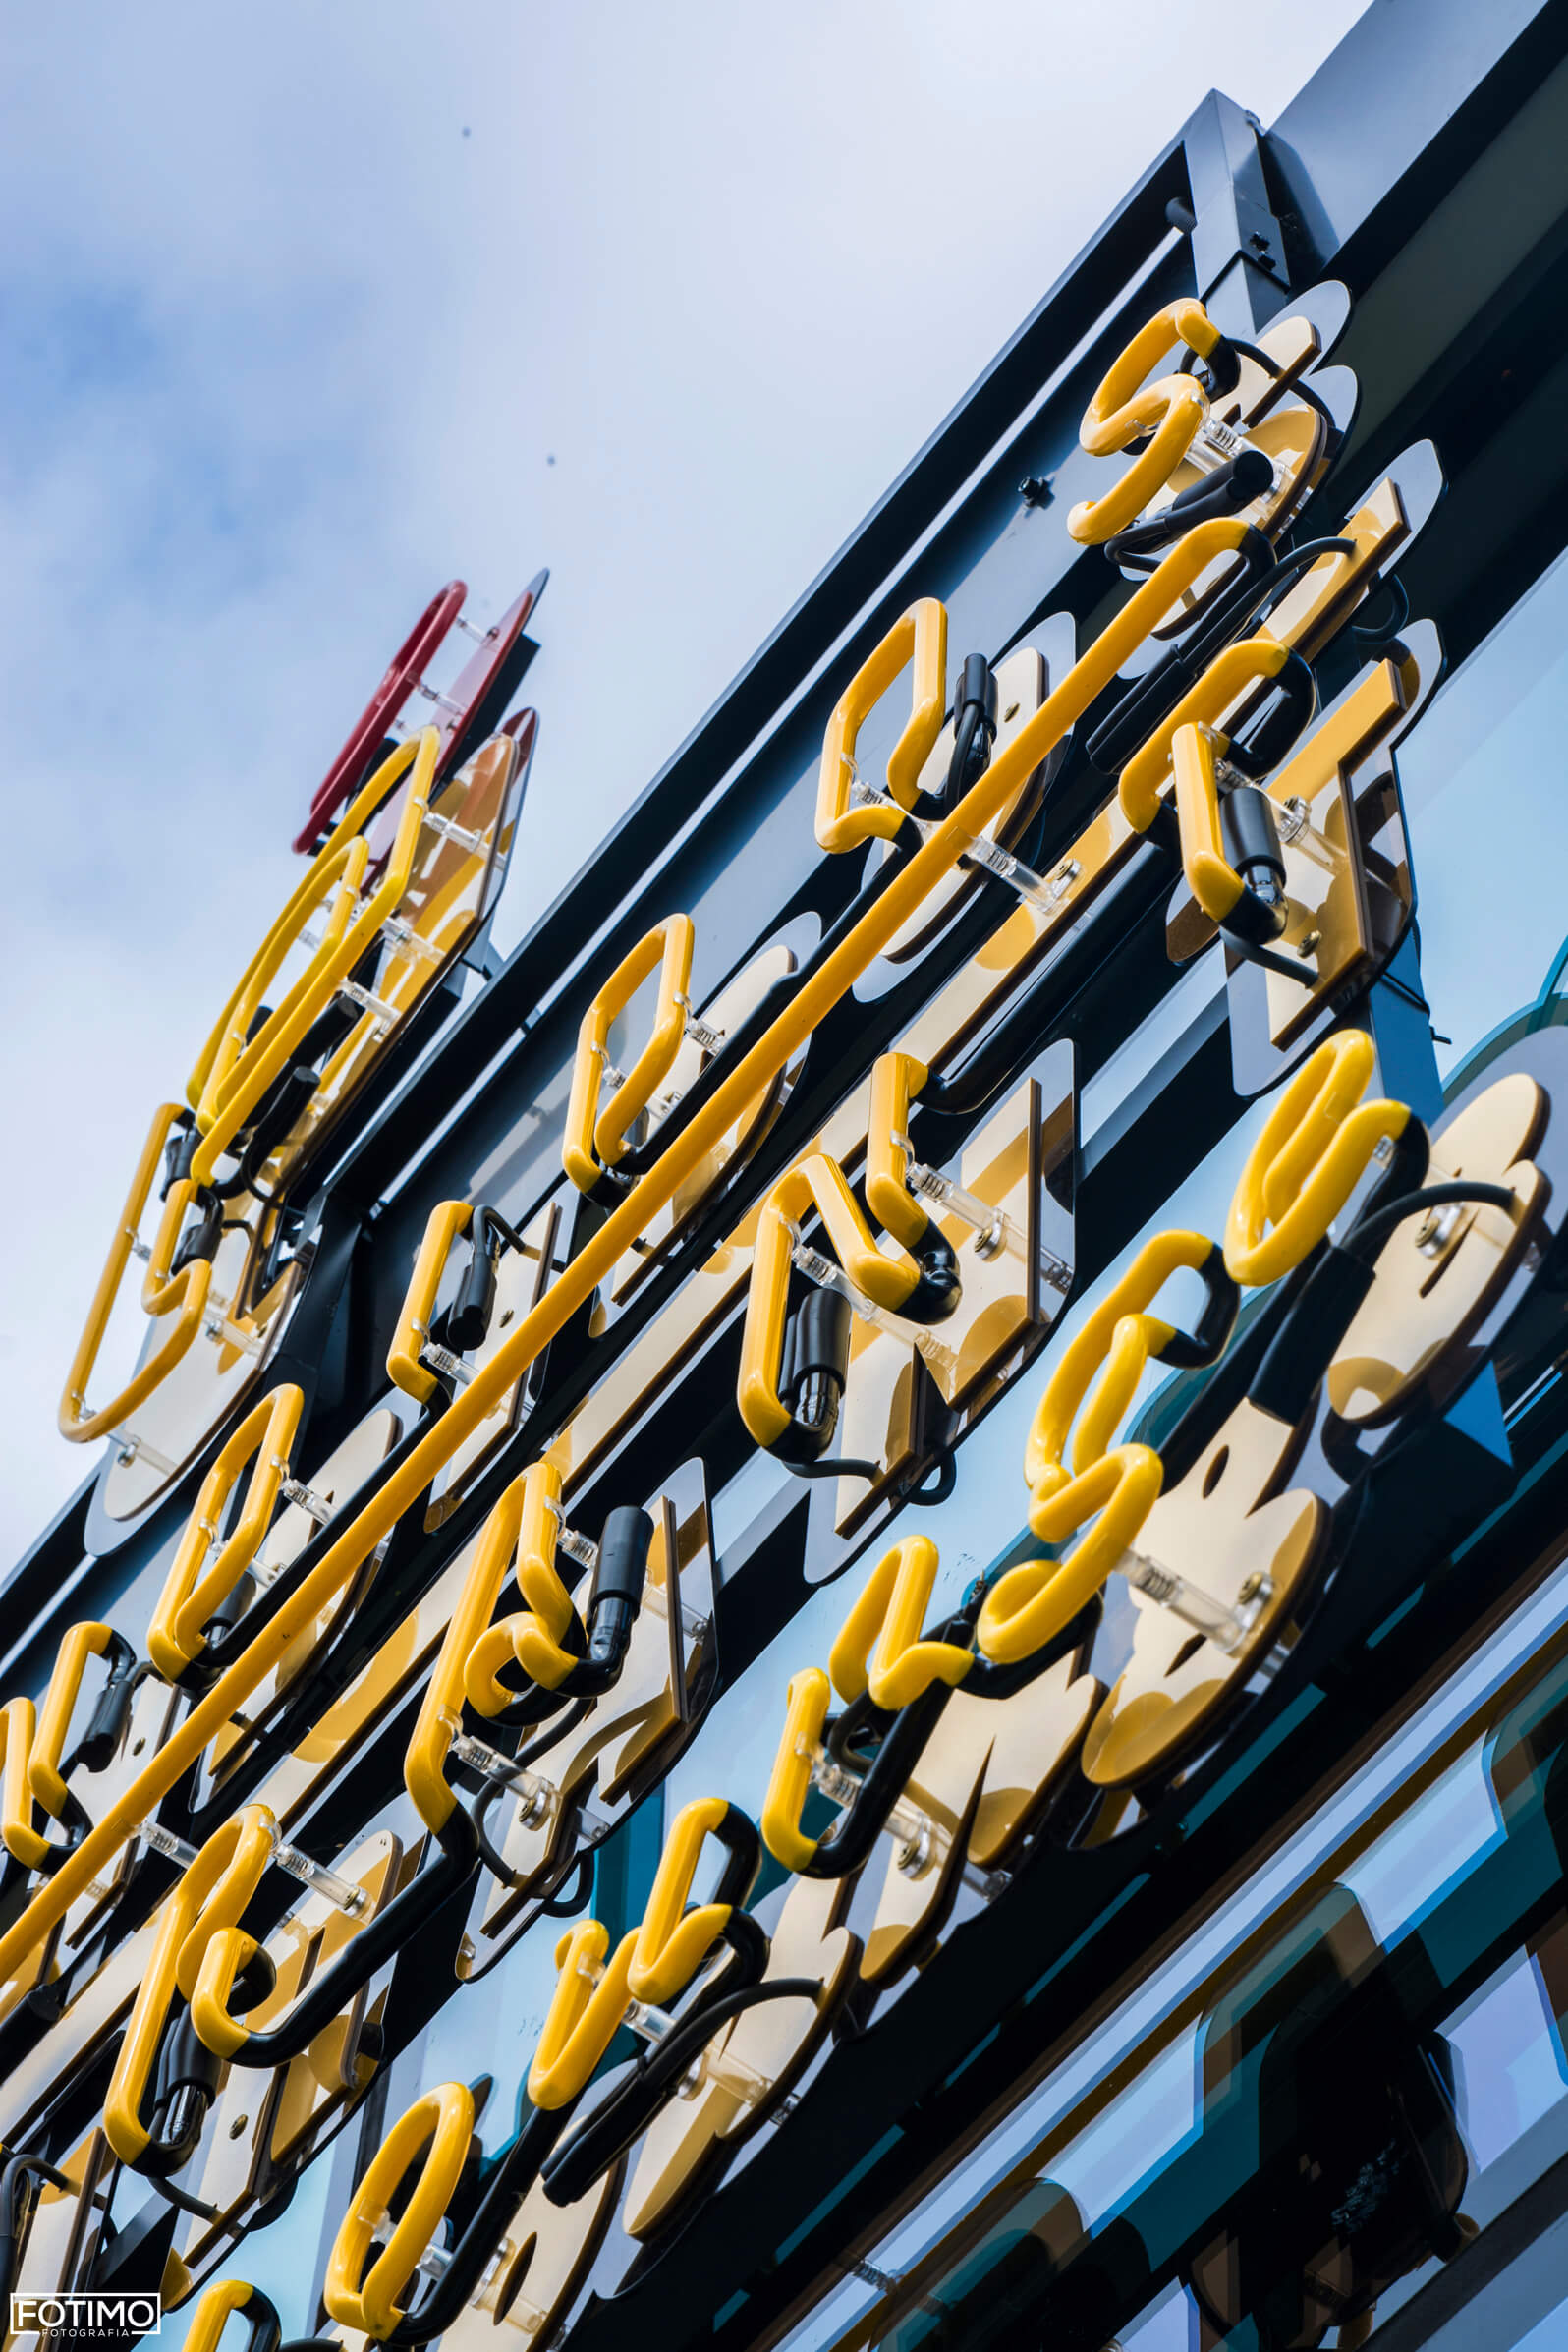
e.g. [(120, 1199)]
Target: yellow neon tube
[(447, 1219), (440, 1712), (585, 2011), (189, 1598), (806, 1702), (1169, 414), (581, 1278), (528, 1518), (1148, 769), (1210, 877), (672, 1942), (77, 1646), (890, 1612), (210, 1896), (919, 637), (185, 1296), (236, 1069), (441, 2123), (1314, 1149), (205, 2331), (18, 1727), (896, 1080), (816, 1182), (594, 1137)]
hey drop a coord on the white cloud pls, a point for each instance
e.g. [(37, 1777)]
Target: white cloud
[(286, 350)]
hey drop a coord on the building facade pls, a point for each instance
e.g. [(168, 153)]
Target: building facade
[(834, 1614)]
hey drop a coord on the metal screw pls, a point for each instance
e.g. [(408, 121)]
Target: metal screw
[(1307, 946), (1251, 1586), (1034, 491), (238, 2126)]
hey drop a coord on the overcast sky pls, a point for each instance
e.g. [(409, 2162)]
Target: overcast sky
[(308, 307)]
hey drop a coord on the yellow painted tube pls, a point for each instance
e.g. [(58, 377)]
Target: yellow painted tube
[(578, 1280), (1315, 1146), (672, 1942), (446, 1221), (1087, 1351), (1033, 1603), (584, 2014), (185, 1298), (531, 1639), (815, 1182), (1168, 414), (896, 1080), (189, 1597), (1148, 773), (670, 948), (806, 1706), (207, 2321), (595, 1135), (879, 1646), (22, 1838), (441, 2124), (1210, 877), (44, 1779), (917, 638), (227, 1952), (210, 1896), (441, 1707), (238, 1067)]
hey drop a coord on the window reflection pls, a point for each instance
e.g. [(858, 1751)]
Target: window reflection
[(1359, 2097), (1487, 902)]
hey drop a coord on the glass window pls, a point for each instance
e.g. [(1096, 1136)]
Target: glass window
[(1489, 896)]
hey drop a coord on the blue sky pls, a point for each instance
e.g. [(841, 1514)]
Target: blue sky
[(299, 304)]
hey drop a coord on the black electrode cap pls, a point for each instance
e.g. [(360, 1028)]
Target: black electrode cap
[(976, 690), (179, 1150), (185, 2063), (468, 1318), (99, 1744), (1250, 835), (813, 1372), (1220, 369), (199, 1241), (624, 1545), (1226, 490), (937, 1292), (818, 1341), (282, 1107)]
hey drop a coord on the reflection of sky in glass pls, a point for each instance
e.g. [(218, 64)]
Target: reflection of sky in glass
[(1550, 2334), (1439, 1840), (1489, 896), (1136, 2136), (1164, 2327), (1510, 2061)]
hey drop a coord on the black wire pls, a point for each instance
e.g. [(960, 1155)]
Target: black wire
[(1366, 1239), (842, 1465), (963, 746)]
